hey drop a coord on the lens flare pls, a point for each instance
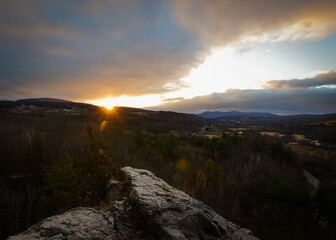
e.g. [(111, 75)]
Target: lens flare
[(102, 125), (182, 164)]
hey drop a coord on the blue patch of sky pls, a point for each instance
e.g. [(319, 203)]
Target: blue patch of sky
[(308, 55)]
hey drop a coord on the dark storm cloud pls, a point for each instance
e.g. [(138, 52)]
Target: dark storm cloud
[(322, 79), (314, 100), (94, 48)]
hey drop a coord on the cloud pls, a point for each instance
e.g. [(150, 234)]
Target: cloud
[(89, 49), (292, 101), (296, 96), (223, 22), (93, 49), (322, 79)]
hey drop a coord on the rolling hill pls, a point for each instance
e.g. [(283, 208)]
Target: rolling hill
[(216, 114)]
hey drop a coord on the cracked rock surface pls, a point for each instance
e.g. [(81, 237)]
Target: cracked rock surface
[(172, 214), (151, 209), (80, 223)]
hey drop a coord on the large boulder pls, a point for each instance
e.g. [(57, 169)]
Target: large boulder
[(172, 214), (142, 206)]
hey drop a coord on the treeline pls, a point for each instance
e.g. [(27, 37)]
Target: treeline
[(51, 163)]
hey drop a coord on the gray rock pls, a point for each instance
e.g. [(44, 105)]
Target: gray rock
[(80, 223), (172, 214), (142, 207)]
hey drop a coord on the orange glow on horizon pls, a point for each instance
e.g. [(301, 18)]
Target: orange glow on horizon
[(107, 103), (128, 101)]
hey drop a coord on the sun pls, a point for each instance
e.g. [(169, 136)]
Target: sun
[(107, 103), (128, 101)]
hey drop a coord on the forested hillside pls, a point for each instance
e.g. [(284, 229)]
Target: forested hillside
[(54, 161)]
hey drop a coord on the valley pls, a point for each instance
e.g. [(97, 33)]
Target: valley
[(249, 172)]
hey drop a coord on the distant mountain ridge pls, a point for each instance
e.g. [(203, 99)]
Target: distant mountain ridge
[(51, 103), (33, 100), (218, 114)]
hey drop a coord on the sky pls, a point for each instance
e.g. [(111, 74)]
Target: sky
[(188, 56)]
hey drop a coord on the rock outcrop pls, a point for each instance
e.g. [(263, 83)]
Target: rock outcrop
[(80, 223), (142, 207)]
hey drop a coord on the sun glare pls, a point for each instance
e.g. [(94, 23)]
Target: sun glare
[(128, 101), (107, 103), (227, 69), (224, 69)]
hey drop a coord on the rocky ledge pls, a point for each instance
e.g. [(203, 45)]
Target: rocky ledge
[(142, 206)]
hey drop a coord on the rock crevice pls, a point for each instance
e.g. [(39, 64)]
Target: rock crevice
[(143, 206)]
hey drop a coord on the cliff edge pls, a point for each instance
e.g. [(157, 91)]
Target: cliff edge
[(142, 206)]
